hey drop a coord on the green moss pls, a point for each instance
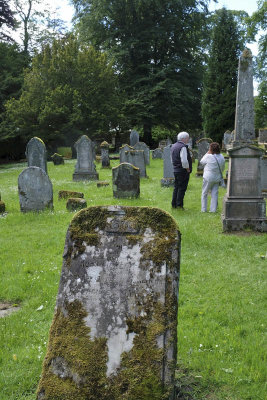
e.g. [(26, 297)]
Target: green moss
[(85, 359), (66, 194)]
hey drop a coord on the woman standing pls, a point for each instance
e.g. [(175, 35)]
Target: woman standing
[(214, 164)]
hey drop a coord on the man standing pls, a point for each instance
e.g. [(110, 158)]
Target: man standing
[(182, 167)]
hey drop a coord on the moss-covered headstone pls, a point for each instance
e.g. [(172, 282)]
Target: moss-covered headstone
[(126, 181), (114, 332)]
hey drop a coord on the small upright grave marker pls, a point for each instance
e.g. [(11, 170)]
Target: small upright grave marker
[(105, 155), (126, 181), (114, 331), (35, 190), (85, 169), (36, 153), (202, 146)]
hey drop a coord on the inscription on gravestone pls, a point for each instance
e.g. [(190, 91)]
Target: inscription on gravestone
[(85, 168), (114, 332)]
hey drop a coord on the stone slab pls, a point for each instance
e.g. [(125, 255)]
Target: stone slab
[(114, 331)]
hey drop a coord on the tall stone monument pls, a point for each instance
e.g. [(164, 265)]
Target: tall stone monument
[(145, 148), (264, 176), (35, 190), (168, 175), (36, 153), (137, 158), (114, 331), (244, 132), (243, 205), (85, 169)]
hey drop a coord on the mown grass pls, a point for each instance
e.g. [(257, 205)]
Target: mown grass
[(222, 300)]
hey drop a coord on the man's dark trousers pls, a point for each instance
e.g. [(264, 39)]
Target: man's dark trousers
[(180, 186)]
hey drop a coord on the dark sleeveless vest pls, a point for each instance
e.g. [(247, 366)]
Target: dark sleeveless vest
[(176, 159)]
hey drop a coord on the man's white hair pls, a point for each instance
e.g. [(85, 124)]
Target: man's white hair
[(182, 135)]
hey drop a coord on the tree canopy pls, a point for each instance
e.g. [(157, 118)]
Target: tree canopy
[(220, 80), (156, 45)]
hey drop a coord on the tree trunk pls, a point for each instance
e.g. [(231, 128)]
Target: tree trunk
[(148, 133)]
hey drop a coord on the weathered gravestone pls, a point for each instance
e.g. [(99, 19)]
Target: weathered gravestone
[(262, 136), (157, 153), (227, 136), (123, 149), (244, 116), (85, 169), (57, 159), (114, 331), (126, 181), (74, 204), (35, 190), (202, 147), (134, 137), (264, 176), (145, 148), (168, 175), (137, 158), (36, 153), (243, 205), (66, 194), (105, 154)]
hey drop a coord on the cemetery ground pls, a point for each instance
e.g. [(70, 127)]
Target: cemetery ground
[(222, 298)]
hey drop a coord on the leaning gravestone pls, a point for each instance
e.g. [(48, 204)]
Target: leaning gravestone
[(105, 154), (114, 332), (202, 146), (36, 153), (123, 149), (134, 137), (85, 168), (35, 190), (137, 158), (126, 181), (145, 148), (157, 153), (168, 175)]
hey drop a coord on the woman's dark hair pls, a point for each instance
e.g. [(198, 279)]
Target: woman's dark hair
[(215, 148)]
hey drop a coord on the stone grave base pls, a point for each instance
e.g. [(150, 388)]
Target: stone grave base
[(239, 214), (85, 176), (166, 182)]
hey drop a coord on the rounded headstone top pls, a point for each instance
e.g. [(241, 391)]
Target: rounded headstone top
[(204, 139), (126, 165), (104, 144)]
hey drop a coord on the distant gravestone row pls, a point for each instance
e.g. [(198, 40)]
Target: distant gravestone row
[(114, 330)]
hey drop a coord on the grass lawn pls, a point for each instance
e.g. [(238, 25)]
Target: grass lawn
[(222, 300)]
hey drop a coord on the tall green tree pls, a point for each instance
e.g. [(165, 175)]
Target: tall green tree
[(70, 90), (6, 20), (220, 80), (156, 45)]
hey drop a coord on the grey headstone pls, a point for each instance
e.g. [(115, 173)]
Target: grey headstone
[(243, 205), (145, 148), (35, 190), (262, 136), (157, 153), (227, 136), (126, 181), (244, 116), (85, 169), (36, 153), (114, 332), (123, 149), (134, 137), (137, 158), (168, 175), (163, 143), (202, 147), (264, 175), (105, 155)]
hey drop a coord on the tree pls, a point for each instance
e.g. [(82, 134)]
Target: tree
[(6, 18), (220, 80), (70, 90), (156, 46)]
